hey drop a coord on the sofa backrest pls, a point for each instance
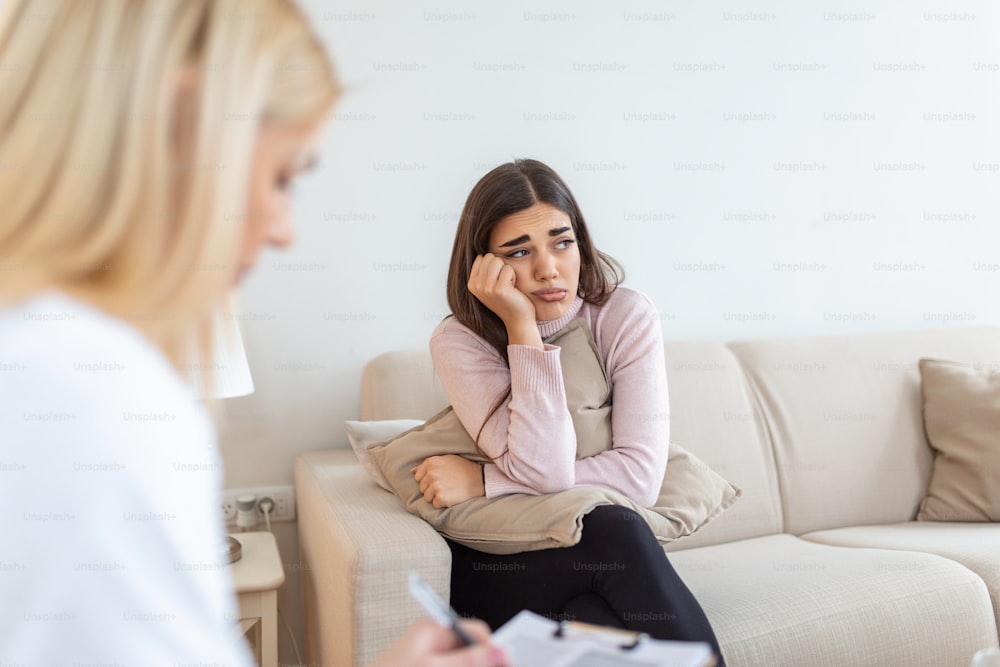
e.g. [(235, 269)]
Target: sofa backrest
[(400, 385), (818, 432), (845, 419), (713, 416)]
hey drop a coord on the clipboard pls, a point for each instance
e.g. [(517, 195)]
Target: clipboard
[(530, 639)]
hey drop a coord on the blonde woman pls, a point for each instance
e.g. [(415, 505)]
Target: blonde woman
[(146, 152)]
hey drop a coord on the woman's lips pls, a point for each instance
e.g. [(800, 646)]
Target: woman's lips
[(550, 294)]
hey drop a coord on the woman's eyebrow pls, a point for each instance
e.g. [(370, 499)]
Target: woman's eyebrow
[(524, 237), (518, 241)]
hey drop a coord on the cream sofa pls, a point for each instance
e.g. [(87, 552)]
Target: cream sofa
[(819, 563)]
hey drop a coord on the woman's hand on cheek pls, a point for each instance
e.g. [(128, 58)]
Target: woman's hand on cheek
[(449, 480), (492, 281)]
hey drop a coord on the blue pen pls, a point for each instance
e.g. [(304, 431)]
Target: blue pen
[(437, 608)]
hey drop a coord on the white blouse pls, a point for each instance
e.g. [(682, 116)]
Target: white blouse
[(109, 499)]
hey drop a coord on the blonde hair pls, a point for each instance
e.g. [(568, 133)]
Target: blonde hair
[(127, 131)]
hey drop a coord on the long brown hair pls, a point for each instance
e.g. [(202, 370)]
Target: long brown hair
[(505, 190)]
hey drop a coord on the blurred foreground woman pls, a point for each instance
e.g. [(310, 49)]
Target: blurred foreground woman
[(146, 152)]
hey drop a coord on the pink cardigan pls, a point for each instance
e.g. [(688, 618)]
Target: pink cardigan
[(530, 437)]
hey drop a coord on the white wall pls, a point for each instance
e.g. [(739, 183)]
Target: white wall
[(763, 169)]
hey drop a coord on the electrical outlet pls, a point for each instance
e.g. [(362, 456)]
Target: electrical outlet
[(229, 508), (283, 497)]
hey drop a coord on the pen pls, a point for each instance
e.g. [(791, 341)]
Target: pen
[(437, 608)]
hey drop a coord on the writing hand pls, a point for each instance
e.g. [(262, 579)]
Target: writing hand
[(427, 644)]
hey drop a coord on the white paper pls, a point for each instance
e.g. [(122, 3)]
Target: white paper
[(530, 640)]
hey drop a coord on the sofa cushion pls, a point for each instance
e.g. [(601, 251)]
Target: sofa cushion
[(588, 393), (711, 413), (962, 420), (364, 435), (781, 600), (691, 496), (845, 418), (975, 546)]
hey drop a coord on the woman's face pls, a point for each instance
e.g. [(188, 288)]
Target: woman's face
[(539, 244), (281, 153)]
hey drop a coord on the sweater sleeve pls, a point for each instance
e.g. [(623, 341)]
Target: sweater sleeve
[(530, 435), (632, 343)]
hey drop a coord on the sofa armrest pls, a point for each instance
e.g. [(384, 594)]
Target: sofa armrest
[(357, 545)]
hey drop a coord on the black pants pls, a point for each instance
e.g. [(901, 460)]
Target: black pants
[(617, 575)]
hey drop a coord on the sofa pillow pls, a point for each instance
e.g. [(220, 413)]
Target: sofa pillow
[(691, 494), (962, 421), (362, 435), (588, 394)]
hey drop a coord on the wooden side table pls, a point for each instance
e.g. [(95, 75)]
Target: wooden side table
[(257, 577)]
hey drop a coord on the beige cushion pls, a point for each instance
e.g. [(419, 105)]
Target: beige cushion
[(780, 600), (712, 413), (962, 420), (364, 435), (588, 394), (973, 545), (691, 494)]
